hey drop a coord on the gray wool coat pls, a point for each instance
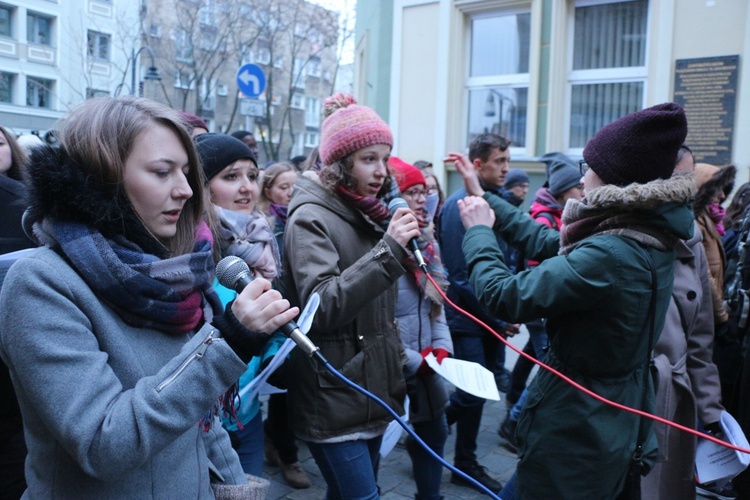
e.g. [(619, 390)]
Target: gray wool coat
[(110, 410), (688, 388)]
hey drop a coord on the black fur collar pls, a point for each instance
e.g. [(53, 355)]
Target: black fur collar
[(60, 189)]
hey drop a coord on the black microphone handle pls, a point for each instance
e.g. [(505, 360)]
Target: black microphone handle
[(414, 247)]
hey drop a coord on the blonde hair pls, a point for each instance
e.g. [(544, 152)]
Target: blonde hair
[(100, 134), (269, 177)]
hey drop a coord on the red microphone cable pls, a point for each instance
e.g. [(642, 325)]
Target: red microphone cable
[(582, 388)]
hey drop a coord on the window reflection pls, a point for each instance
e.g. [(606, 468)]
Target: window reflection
[(499, 111), (500, 45)]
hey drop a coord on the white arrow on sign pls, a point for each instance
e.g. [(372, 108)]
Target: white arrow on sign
[(246, 77)]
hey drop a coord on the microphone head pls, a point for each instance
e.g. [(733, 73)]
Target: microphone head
[(395, 204), (230, 269)]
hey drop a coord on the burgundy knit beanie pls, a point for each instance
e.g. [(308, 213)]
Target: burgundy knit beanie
[(639, 147), (349, 127), (406, 175)]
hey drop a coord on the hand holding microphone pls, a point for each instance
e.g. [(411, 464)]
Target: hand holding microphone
[(405, 231), (259, 304)]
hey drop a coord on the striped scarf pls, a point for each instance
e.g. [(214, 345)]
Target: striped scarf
[(168, 295)]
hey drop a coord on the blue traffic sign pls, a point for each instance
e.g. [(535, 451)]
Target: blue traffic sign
[(251, 80)]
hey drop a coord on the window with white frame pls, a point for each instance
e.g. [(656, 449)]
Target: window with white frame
[(263, 55), (298, 73), (38, 92), (38, 28), (98, 45), (183, 46), (312, 112), (6, 23), (312, 139), (298, 100), (607, 76), (298, 148), (498, 83), (155, 30), (313, 67), (6, 87), (91, 93), (183, 80)]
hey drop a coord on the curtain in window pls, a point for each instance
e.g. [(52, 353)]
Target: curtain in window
[(610, 35), (596, 105)]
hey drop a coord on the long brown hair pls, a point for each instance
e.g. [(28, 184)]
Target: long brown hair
[(18, 156), (100, 134)]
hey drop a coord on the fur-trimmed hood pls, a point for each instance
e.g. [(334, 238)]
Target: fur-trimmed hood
[(709, 179), (679, 188), (60, 189)]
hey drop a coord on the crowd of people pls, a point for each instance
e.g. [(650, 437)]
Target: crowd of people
[(136, 379)]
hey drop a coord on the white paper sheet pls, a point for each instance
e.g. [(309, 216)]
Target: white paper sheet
[(259, 385), (393, 432), (466, 375), (715, 462)]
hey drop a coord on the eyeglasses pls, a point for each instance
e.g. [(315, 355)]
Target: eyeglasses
[(415, 193), (432, 189), (582, 167)]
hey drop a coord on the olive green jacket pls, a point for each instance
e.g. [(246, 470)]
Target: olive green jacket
[(596, 299)]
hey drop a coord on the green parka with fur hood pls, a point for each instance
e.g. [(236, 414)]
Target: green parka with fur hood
[(596, 297)]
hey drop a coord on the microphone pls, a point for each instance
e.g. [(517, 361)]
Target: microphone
[(394, 205), (234, 274)]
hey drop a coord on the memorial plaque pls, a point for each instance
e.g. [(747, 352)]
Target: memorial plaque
[(707, 89)]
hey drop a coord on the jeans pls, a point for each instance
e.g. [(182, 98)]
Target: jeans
[(350, 468), (248, 443), (427, 470), (465, 409)]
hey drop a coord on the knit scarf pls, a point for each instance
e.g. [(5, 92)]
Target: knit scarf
[(717, 213), (280, 211), (581, 221), (145, 291), (250, 238), (369, 205), (430, 251)]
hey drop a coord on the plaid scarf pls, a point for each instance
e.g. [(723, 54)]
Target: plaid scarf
[(145, 291), (250, 238)]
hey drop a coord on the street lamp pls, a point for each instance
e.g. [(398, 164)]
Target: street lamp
[(489, 108), (151, 73)]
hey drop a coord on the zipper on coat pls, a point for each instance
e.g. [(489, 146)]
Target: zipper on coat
[(197, 354)]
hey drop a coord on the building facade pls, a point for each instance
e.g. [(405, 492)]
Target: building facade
[(53, 54), (548, 74)]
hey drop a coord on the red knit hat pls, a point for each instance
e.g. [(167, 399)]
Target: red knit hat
[(349, 127), (406, 174), (639, 147)]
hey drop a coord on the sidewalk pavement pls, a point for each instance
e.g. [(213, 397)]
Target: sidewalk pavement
[(395, 476)]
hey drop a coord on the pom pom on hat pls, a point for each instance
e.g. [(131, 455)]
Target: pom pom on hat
[(406, 175), (349, 127), (515, 177), (217, 151), (639, 147)]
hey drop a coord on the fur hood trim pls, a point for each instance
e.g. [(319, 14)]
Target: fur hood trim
[(60, 189), (710, 179), (679, 188)]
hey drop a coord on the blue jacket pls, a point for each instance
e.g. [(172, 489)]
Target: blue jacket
[(451, 235)]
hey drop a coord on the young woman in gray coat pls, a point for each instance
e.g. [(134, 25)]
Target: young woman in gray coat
[(118, 347)]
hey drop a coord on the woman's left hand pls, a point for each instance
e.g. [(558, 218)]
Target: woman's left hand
[(476, 211)]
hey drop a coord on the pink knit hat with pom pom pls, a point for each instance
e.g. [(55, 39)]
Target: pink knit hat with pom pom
[(349, 127)]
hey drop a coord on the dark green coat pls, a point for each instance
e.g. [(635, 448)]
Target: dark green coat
[(596, 299)]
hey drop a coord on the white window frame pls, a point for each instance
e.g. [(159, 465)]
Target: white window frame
[(596, 76), (298, 100), (37, 16), (312, 112), (93, 51), (501, 82), (11, 18), (312, 139), (11, 83), (41, 84)]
